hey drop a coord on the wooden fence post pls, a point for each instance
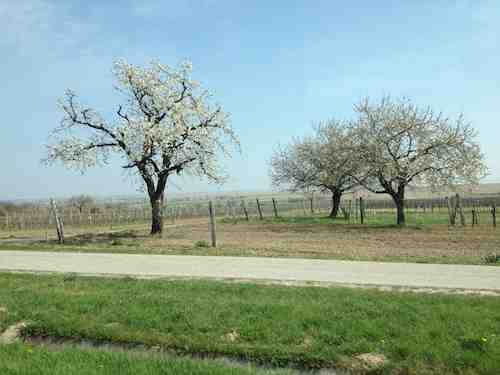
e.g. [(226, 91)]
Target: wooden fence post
[(259, 209), (345, 212), (245, 211), (58, 222), (458, 207), (361, 210), (494, 214), (234, 210), (275, 208), (211, 214), (312, 205), (451, 212)]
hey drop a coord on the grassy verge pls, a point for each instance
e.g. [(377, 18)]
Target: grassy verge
[(309, 327), (27, 360)]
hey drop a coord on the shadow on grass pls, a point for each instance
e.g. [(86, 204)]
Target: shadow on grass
[(110, 238)]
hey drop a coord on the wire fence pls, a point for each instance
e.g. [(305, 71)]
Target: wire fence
[(474, 210), (471, 210)]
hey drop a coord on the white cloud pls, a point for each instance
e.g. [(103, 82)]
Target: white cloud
[(145, 8), (28, 26), (23, 20), (171, 10)]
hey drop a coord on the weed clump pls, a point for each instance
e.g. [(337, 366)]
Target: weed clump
[(492, 258), (201, 243)]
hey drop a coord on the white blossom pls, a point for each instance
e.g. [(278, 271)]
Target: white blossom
[(326, 161), (402, 144), (167, 125)]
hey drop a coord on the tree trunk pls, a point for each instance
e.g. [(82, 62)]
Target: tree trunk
[(336, 195), (400, 207), (399, 200), (156, 195), (156, 216)]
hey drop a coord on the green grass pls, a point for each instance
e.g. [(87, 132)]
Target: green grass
[(309, 327), (375, 219), (21, 359)]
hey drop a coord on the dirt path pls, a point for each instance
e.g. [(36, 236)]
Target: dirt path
[(289, 270)]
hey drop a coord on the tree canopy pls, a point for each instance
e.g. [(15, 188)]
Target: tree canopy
[(167, 124), (401, 143), (325, 162)]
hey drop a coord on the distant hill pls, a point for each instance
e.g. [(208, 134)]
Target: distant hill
[(486, 189)]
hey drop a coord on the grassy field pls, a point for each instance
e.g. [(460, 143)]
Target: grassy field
[(281, 326), (308, 237), (21, 359)]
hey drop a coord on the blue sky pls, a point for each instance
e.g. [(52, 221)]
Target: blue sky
[(276, 66)]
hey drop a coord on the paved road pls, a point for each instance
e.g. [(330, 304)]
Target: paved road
[(299, 270)]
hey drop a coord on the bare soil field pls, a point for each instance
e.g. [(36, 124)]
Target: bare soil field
[(338, 241), (434, 243)]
